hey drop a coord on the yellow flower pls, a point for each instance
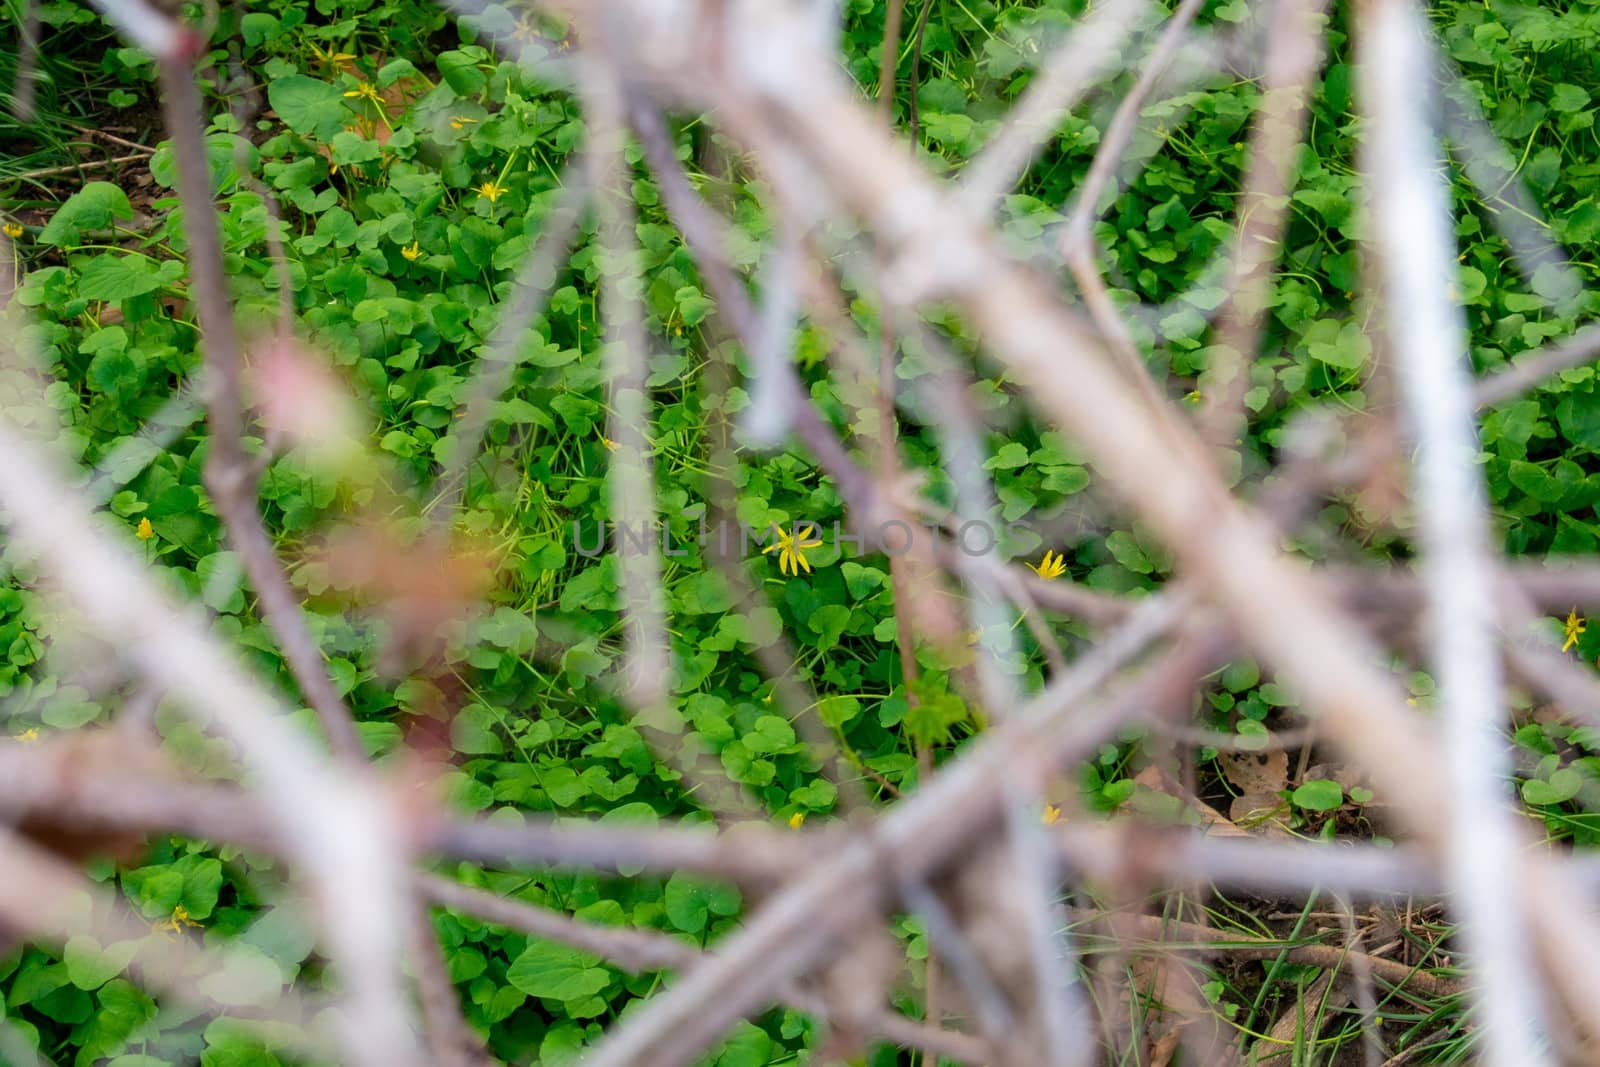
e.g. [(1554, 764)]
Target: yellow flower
[(461, 122), (180, 919), (366, 91), (1052, 566), (413, 252), (146, 531), (527, 30), (27, 737), (1575, 626), (1051, 815), (610, 445), (330, 56), (790, 546), (796, 819), (12, 230), (491, 191), (1193, 396)]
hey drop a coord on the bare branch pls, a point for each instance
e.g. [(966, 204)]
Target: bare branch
[(1293, 55), (150, 29), (1092, 48), (1416, 254), (230, 474)]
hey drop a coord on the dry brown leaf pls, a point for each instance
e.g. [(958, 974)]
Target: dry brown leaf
[(1211, 820), (1256, 772), (1313, 1007), (1261, 813)]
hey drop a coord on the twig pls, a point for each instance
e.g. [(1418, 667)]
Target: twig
[(1093, 47), (1534, 367), (1156, 929), (74, 168), (637, 951), (647, 664), (338, 834), (147, 27), (229, 473), (90, 131), (1076, 239), (802, 923), (1416, 255), (752, 854), (912, 117), (499, 360), (1293, 54), (25, 87)]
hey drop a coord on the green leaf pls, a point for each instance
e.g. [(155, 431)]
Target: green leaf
[(94, 207), (308, 106), (828, 622), (1561, 787), (348, 147), (838, 711), (118, 278), (1342, 345), (1126, 551), (747, 1046), (693, 305), (475, 731), (90, 967), (1578, 415), (690, 902), (1320, 794), (1011, 456), (556, 972)]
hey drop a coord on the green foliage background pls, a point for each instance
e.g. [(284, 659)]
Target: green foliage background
[(540, 729)]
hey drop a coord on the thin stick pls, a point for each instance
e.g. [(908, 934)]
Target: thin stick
[(753, 854), (1416, 253), (1294, 53), (499, 361), (800, 925), (1076, 238), (1156, 929), (229, 473), (1091, 49), (637, 951), (91, 164)]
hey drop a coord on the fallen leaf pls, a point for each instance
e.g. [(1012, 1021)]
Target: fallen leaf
[(1256, 772)]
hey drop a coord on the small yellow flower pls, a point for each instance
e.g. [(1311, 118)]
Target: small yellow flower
[(146, 531), (461, 122), (12, 230), (330, 56), (610, 445), (180, 919), (1052, 566), (1051, 815), (1575, 626), (366, 91), (491, 191), (796, 820), (27, 737), (1193, 396), (790, 546), (413, 251), (527, 30)]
